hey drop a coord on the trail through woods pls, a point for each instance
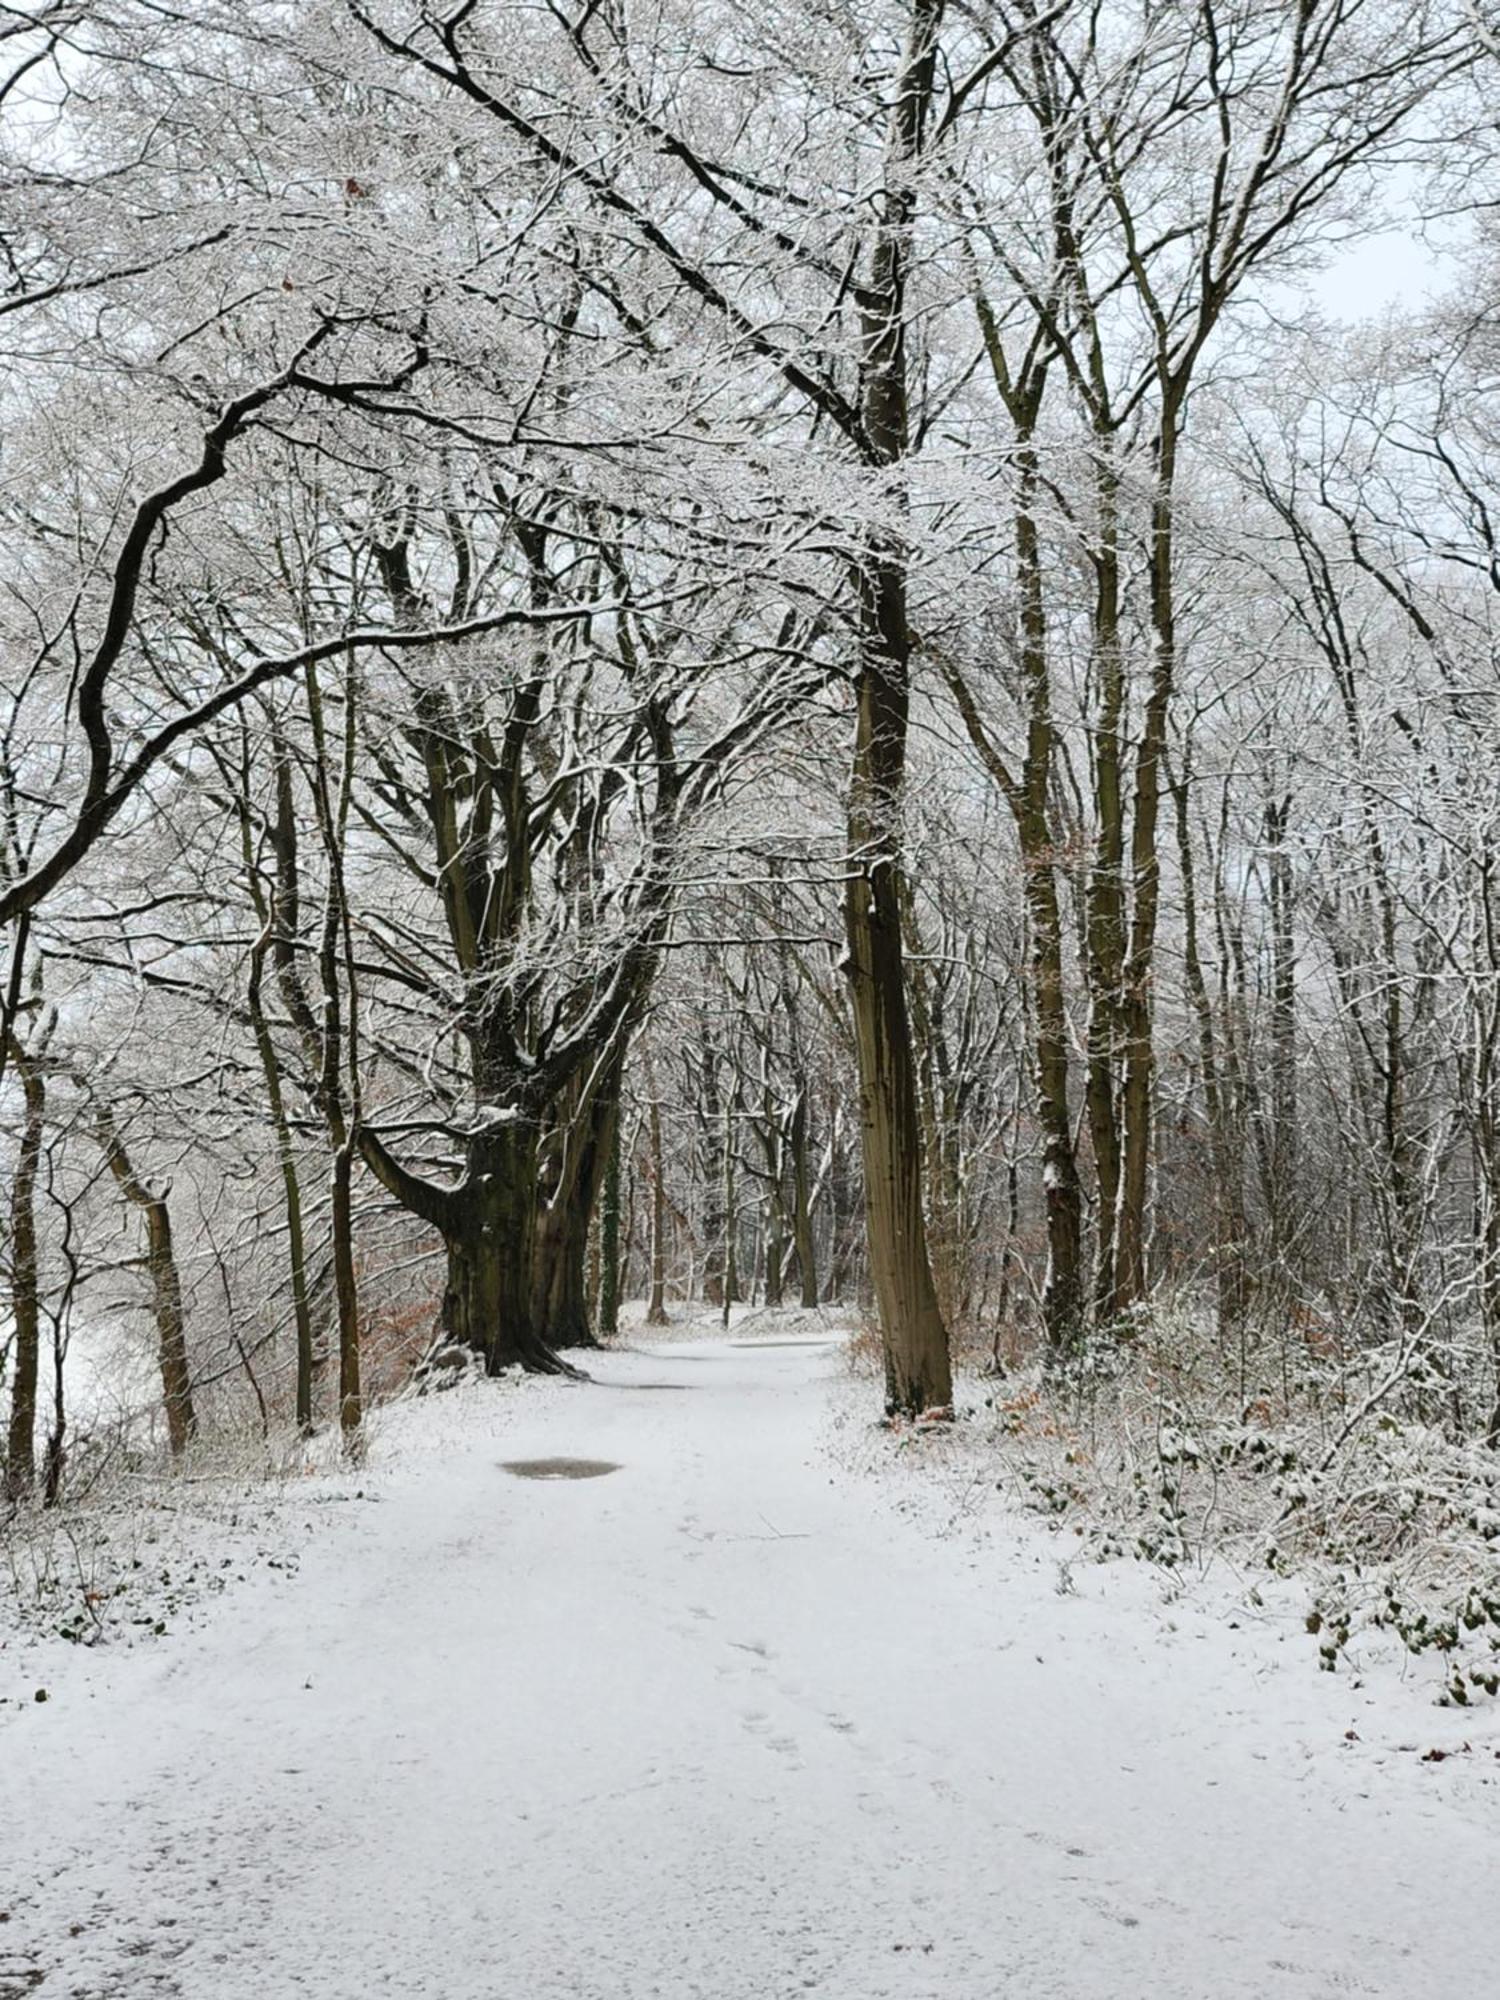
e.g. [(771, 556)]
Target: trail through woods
[(727, 1722)]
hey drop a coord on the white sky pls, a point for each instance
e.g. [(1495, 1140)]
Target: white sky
[(1395, 268)]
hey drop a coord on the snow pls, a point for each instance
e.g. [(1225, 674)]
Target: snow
[(763, 1713)]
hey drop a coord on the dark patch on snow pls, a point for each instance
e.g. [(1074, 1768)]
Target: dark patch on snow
[(558, 1468)]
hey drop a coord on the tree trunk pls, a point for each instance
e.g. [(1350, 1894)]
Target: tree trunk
[(1029, 799), (715, 1219), (55, 1458), (1487, 1178), (1226, 1159), (730, 1282), (564, 1220), (842, 1200), (656, 1310), (561, 1308), (1283, 1033), (322, 1031), (918, 1373), (917, 1369), (346, 1291), (609, 1237), (775, 1247), (166, 1288), (291, 1189), (25, 1302), (1104, 922), (489, 1229), (802, 1227), (1138, 1000), (1062, 1294)]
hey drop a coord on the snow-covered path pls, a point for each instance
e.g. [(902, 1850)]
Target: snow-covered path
[(719, 1724)]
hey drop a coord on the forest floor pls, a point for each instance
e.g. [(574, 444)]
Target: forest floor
[(763, 1712)]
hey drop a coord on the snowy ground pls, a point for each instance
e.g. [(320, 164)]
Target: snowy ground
[(762, 1713)]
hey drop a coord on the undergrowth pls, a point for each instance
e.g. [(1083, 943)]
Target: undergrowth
[(135, 1544), (1346, 1472)]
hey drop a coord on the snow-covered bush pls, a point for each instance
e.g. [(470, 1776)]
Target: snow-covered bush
[(1336, 1471)]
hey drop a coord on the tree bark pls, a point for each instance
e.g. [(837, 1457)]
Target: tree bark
[(166, 1288), (1283, 1031), (802, 1223), (1062, 1294), (291, 1187), (1138, 999), (1104, 919), (608, 1325), (775, 1243), (25, 1300), (918, 1372), (714, 1169), (1225, 1153), (488, 1226), (656, 1309), (580, 1141), (1029, 798)]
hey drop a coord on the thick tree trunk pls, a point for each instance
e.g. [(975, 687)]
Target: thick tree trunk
[(560, 1307), (584, 1139), (918, 1374), (25, 1301), (487, 1303), (917, 1368), (489, 1229)]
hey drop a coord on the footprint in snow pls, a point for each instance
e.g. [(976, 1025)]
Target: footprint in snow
[(1121, 1917), (1331, 1982)]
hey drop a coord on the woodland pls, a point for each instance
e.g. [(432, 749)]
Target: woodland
[(675, 653)]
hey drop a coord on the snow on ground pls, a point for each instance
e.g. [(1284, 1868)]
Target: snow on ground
[(764, 1712)]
